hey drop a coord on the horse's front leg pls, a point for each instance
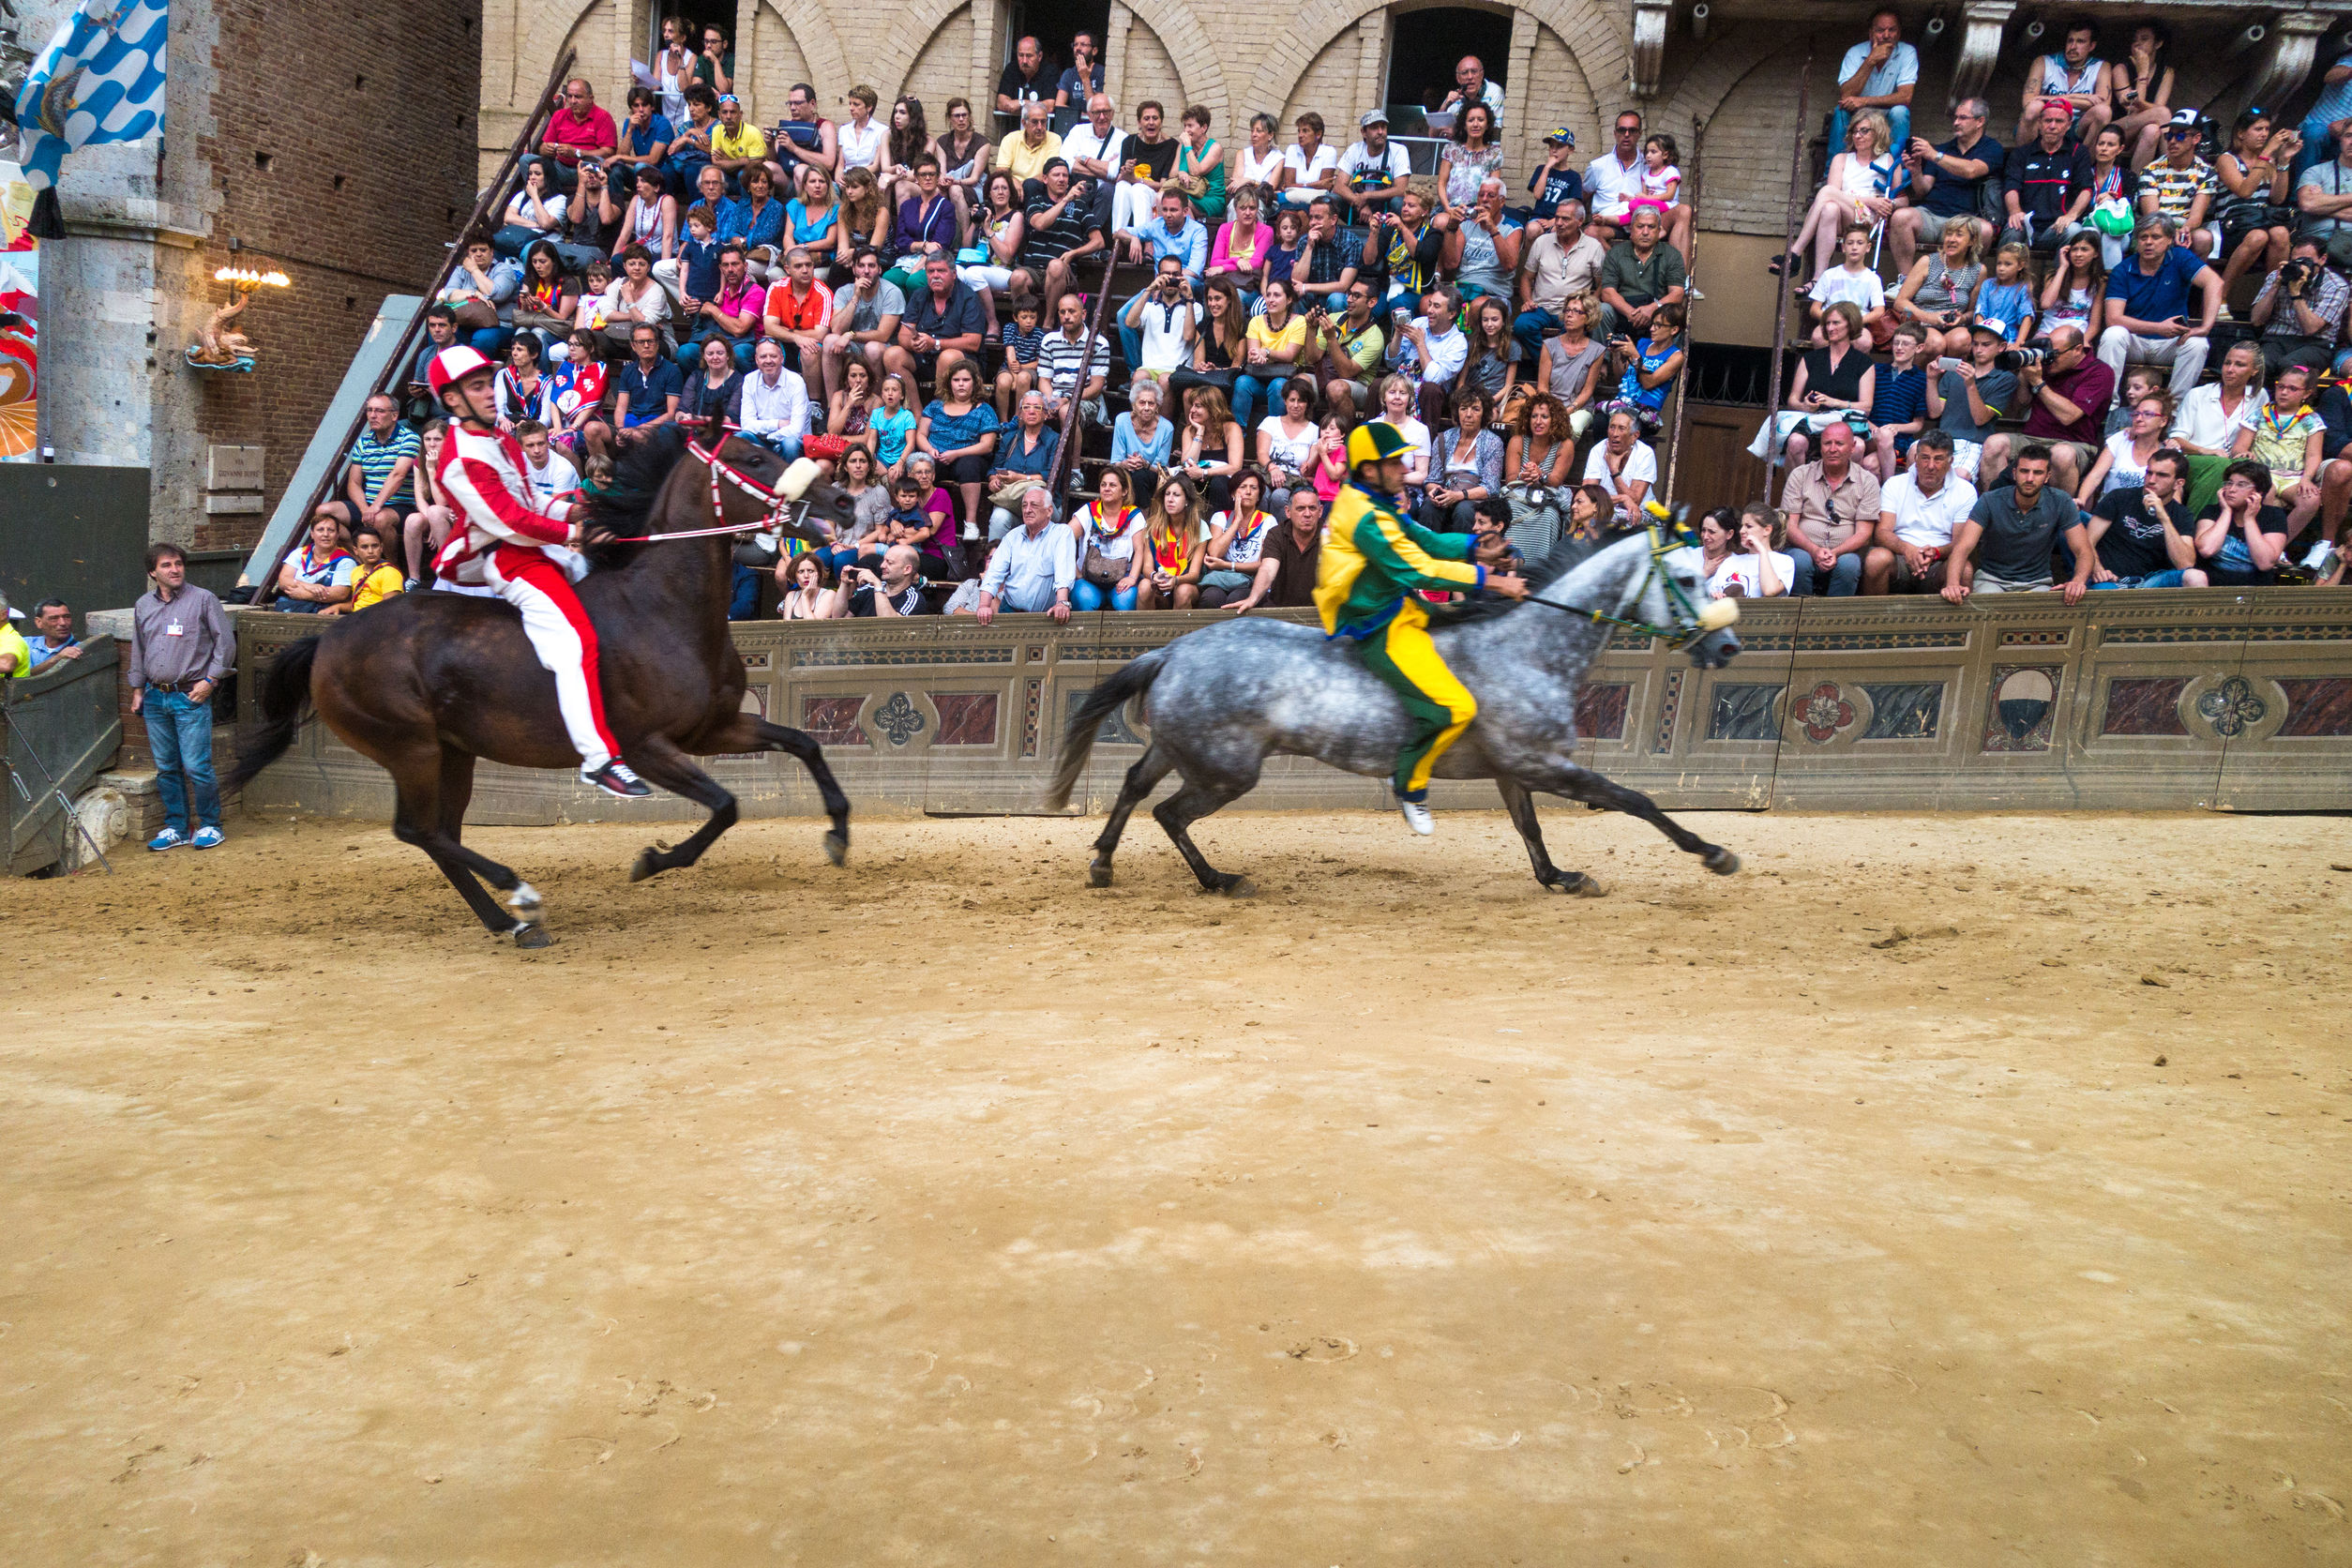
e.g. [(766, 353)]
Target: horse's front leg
[(750, 733), (662, 763), (1583, 784)]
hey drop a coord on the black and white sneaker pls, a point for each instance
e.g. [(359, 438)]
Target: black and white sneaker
[(614, 779)]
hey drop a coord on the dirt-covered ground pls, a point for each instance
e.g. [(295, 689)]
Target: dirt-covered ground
[(1953, 1191)]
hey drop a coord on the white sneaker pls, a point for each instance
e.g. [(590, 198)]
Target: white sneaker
[(1417, 817)]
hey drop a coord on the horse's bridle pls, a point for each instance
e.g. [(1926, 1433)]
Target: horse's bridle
[(782, 513), (1691, 622)]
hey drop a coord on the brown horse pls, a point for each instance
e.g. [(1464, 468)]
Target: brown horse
[(427, 683)]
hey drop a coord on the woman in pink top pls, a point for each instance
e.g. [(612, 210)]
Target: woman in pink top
[(1242, 242)]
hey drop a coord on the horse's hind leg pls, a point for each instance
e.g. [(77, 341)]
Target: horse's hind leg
[(456, 792), (664, 764), (1521, 804), (1585, 785), (1186, 807), (750, 733), (1142, 779)]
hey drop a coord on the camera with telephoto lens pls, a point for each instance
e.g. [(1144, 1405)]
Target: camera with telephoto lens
[(2298, 274), (2017, 359)]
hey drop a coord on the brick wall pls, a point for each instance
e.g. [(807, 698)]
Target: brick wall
[(941, 72), (1151, 74), (1329, 88), (778, 63), (342, 150)]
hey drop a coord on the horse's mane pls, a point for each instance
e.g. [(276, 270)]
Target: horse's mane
[(1565, 556), (627, 506)]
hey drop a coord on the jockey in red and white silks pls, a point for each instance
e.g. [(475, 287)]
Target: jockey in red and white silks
[(513, 543)]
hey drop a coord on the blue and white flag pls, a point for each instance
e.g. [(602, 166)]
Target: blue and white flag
[(100, 80)]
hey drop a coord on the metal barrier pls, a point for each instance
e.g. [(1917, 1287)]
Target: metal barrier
[(2173, 699), (62, 727)]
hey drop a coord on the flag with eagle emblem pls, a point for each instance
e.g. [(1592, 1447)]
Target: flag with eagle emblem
[(100, 80)]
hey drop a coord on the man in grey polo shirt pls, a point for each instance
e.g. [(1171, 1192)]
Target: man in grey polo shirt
[(2004, 545), (1034, 567)]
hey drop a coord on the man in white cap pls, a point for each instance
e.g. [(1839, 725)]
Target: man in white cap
[(513, 542), (1372, 168)]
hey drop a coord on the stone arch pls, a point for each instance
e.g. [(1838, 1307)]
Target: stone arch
[(902, 44), (810, 27), (1178, 28), (1594, 34), (1717, 73), (546, 36)]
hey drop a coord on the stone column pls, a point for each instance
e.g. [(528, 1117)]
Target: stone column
[(125, 291)]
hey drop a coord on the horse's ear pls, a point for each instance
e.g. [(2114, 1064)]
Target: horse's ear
[(803, 473)]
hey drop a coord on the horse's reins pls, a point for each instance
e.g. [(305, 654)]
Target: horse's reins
[(779, 515), (1693, 622)]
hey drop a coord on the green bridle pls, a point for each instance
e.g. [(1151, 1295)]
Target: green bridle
[(1692, 622)]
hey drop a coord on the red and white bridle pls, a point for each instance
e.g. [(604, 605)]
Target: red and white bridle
[(781, 513)]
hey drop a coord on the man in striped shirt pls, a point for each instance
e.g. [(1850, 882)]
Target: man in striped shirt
[(377, 486), (1061, 356)]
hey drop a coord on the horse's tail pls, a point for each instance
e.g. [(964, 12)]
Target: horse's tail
[(1106, 700), (285, 702)]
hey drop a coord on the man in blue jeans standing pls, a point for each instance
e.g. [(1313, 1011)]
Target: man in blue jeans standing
[(180, 647)]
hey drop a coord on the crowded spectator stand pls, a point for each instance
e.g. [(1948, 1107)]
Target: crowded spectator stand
[(1219, 262)]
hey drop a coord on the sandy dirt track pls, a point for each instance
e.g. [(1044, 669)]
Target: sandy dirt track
[(942, 1211)]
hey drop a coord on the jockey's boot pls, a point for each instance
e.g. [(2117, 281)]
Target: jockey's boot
[(1417, 815), (614, 779)]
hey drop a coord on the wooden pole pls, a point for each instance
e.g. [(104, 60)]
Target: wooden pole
[(1066, 454), (1689, 335), (1787, 271)]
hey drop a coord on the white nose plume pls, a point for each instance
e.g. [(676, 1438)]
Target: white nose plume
[(797, 478), (1719, 615)]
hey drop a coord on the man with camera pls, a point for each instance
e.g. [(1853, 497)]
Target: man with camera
[(2148, 301), (2300, 309), (2069, 390), (1156, 328), (1947, 184), (894, 592), (1350, 349)]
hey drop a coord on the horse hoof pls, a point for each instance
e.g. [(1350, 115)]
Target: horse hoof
[(837, 848), (1722, 862), (1239, 887), (531, 936), (642, 867), (1098, 875), (1577, 886)]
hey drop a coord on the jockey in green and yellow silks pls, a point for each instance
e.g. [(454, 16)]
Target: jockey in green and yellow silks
[(1374, 557)]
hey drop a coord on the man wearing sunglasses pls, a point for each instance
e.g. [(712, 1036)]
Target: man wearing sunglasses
[(736, 144)]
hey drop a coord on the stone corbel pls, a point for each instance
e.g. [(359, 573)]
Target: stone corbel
[(2286, 56), (1651, 18), (1980, 47)]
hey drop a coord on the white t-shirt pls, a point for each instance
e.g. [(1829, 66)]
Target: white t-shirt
[(2124, 469), (1416, 436), (1608, 181), (1162, 333), (552, 480), (1640, 463), (1081, 142), (2199, 419), (862, 149), (1294, 454), (1747, 572), (1257, 171), (1927, 521), (1357, 158), (551, 203), (1304, 173), (1861, 288)]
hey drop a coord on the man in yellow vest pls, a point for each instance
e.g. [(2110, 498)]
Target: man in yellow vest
[(1374, 557)]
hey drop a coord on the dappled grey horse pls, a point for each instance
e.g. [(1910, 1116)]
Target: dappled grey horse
[(1221, 699)]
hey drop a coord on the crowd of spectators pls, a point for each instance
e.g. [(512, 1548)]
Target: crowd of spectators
[(916, 308), (908, 296), (2006, 373)]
